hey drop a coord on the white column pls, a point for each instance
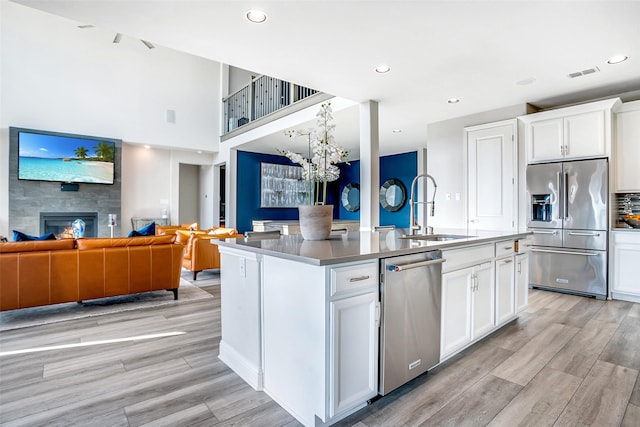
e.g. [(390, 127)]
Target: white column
[(422, 185), (369, 166)]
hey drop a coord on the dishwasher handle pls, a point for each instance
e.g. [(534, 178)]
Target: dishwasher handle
[(392, 267)]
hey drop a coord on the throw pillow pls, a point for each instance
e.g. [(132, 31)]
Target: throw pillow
[(19, 236), (221, 231), (147, 230)]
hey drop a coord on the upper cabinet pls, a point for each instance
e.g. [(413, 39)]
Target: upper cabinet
[(577, 132), (627, 148)]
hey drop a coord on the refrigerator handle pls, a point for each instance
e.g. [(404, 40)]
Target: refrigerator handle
[(566, 196), (560, 196)]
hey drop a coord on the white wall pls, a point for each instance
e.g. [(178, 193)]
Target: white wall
[(54, 76), (146, 188), (445, 162)]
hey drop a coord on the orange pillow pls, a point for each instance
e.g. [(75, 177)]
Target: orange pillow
[(222, 231)]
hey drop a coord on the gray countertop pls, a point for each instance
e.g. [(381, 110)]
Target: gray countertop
[(360, 245)]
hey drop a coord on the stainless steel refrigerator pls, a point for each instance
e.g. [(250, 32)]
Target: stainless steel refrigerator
[(568, 214)]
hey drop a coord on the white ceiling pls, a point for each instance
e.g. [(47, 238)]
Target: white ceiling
[(472, 50)]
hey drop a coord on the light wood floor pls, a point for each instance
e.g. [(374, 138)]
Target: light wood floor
[(566, 361)]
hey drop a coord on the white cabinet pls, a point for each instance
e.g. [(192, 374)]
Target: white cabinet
[(627, 148), (456, 310), (505, 290), (545, 139), (483, 297), (581, 131), (522, 281), (577, 136), (467, 306), (353, 325), (626, 257), (492, 173), (505, 281)]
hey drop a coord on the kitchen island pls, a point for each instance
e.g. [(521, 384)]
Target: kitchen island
[(300, 319)]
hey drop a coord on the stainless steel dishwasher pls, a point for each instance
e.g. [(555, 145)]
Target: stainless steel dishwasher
[(411, 293)]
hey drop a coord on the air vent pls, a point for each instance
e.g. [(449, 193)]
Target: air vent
[(583, 72)]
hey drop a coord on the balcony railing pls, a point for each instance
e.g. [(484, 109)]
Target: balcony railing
[(261, 97)]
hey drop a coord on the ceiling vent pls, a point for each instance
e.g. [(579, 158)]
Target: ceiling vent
[(583, 72)]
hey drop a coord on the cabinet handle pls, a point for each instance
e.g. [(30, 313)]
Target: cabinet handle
[(393, 267), (358, 279), (550, 251), (566, 150), (507, 261), (378, 312), (508, 247)]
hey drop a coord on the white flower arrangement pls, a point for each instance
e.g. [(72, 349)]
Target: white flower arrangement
[(324, 153)]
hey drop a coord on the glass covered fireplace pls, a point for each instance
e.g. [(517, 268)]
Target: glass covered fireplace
[(59, 223)]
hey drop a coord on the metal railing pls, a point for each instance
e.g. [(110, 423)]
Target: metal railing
[(261, 97)]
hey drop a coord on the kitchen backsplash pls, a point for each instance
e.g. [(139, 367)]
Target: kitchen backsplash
[(627, 210)]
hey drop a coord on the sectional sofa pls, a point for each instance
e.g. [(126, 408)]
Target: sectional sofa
[(37, 273)]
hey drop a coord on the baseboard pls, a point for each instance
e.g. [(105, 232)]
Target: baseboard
[(250, 373)]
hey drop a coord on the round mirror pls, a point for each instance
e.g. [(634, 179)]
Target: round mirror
[(393, 195), (351, 197)]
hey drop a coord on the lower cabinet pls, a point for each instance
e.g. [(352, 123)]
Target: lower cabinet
[(468, 308), (505, 290), (353, 363), (626, 256), (522, 281)]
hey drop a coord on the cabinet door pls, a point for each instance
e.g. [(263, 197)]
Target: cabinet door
[(456, 310), (505, 290), (545, 140), (483, 309), (625, 268), (584, 135), (492, 172), (353, 370), (628, 151), (522, 281)]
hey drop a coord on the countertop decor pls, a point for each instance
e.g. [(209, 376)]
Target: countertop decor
[(320, 167)]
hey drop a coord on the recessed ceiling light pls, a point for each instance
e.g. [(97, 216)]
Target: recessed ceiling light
[(616, 59), (256, 16), (453, 100), (199, 151), (396, 130), (383, 69), (147, 146)]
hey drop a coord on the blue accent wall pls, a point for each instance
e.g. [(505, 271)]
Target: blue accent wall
[(403, 167), (248, 191)]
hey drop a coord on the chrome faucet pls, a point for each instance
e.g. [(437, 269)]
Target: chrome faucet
[(413, 224)]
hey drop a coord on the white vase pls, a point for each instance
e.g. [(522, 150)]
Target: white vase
[(315, 221)]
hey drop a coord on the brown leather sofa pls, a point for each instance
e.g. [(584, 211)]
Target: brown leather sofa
[(199, 253), (47, 272)]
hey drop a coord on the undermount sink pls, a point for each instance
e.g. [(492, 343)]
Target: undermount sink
[(436, 237)]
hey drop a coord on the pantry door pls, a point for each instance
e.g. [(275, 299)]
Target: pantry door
[(492, 175)]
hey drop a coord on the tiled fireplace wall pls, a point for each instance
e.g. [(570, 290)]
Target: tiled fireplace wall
[(28, 198)]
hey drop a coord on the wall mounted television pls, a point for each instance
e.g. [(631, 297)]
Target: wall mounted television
[(61, 157)]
